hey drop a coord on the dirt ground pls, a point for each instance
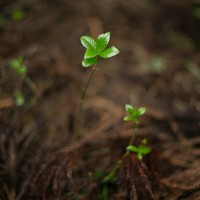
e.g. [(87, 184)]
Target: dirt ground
[(157, 68)]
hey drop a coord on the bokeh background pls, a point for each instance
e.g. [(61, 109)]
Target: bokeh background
[(158, 68)]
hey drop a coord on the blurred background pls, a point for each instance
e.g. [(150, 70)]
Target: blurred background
[(158, 67)]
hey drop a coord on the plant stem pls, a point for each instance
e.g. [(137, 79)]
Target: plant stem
[(78, 122), (118, 164), (85, 89), (30, 83)]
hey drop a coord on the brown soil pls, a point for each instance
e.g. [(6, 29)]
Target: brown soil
[(39, 155)]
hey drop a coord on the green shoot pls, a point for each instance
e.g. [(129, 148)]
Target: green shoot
[(133, 115), (18, 66), (95, 49), (19, 98), (141, 149)]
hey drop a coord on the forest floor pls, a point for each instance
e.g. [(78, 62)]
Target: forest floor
[(157, 68)]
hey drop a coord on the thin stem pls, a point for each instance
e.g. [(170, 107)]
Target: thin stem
[(133, 135), (78, 122), (118, 164), (85, 89), (30, 83)]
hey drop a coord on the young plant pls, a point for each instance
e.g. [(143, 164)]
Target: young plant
[(95, 49), (133, 115), (18, 66)]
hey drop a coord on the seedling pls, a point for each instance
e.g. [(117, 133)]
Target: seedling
[(141, 149), (133, 115), (95, 49), (18, 66)]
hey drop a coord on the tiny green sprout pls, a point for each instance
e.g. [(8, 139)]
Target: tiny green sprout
[(19, 98), (17, 14), (97, 48), (134, 113), (141, 149), (17, 65)]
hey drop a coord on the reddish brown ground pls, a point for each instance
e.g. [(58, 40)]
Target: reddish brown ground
[(39, 157)]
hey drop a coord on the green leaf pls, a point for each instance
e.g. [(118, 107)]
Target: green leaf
[(128, 118), (144, 149), (90, 53), (15, 64), (144, 141), (132, 148), (102, 42), (139, 155), (109, 52), (129, 108), (140, 150), (88, 42), (141, 111), (89, 61), (22, 69), (19, 98)]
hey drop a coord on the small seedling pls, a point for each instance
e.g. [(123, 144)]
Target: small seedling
[(18, 66), (141, 149), (133, 115), (95, 49)]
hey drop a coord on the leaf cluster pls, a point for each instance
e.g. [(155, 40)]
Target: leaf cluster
[(17, 65), (141, 149), (134, 113), (97, 48)]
